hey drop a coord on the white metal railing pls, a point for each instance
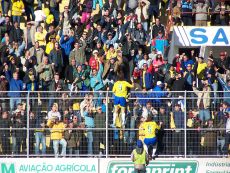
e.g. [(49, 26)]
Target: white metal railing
[(28, 96)]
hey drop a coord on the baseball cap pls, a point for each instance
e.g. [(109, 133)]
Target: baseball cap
[(159, 83)]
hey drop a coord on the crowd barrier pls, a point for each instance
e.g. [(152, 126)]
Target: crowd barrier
[(190, 140)]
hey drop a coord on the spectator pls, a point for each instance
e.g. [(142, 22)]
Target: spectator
[(5, 133), (142, 13), (203, 102), (222, 18), (176, 123), (89, 123), (100, 122), (40, 136), (57, 137), (16, 86), (38, 52), (157, 28), (45, 72), (186, 8), (201, 10), (78, 53), (17, 9)]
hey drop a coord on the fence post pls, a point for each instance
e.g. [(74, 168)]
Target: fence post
[(107, 114), (28, 123), (185, 124)]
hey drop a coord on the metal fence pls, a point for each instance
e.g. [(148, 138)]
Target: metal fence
[(198, 130)]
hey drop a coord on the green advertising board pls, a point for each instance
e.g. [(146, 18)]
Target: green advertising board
[(155, 167)]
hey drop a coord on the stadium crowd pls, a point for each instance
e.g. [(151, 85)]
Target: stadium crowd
[(83, 50)]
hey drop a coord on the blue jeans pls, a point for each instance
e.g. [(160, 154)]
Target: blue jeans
[(100, 3), (40, 139), (214, 88), (90, 142), (72, 151), (56, 13), (13, 103), (204, 115), (145, 26), (16, 19), (56, 147)]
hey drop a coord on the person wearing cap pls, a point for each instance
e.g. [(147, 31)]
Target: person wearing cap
[(93, 61), (29, 32), (120, 91), (223, 62), (159, 93), (140, 158), (109, 39)]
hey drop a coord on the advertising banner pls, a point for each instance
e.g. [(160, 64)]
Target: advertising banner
[(201, 36), (168, 166), (49, 165)]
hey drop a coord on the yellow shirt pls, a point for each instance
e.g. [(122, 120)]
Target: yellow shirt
[(40, 37), (49, 47), (149, 129), (200, 70), (17, 7), (120, 88)]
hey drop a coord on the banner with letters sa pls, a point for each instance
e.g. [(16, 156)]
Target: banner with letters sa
[(201, 36)]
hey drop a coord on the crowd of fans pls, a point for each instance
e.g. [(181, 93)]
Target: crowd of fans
[(81, 51)]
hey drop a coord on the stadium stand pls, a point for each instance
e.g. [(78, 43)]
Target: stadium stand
[(60, 59)]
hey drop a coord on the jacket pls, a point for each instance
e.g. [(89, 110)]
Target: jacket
[(148, 78), (177, 119), (96, 82), (45, 72), (158, 94), (55, 57), (66, 45), (186, 8), (142, 12), (107, 68), (57, 130), (39, 54), (17, 7), (205, 95), (79, 55), (15, 85), (32, 34), (201, 12)]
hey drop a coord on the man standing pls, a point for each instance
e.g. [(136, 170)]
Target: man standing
[(140, 158)]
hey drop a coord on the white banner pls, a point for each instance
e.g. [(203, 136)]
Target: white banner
[(168, 166), (201, 36), (49, 165)]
